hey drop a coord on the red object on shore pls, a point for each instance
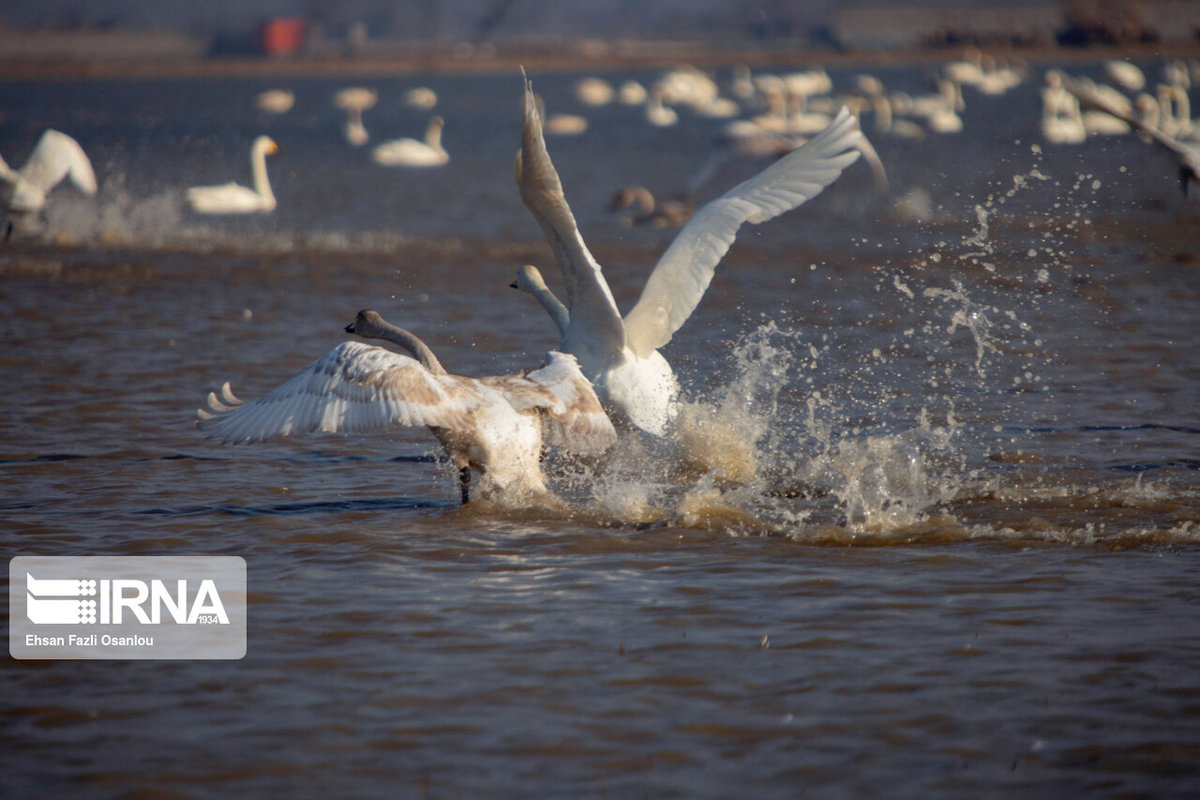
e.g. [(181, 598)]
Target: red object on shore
[(282, 36)]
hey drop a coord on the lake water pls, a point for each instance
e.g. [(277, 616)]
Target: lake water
[(929, 526)]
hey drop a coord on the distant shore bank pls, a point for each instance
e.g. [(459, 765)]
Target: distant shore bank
[(590, 58)]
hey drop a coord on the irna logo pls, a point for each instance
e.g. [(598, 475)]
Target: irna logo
[(84, 601), (127, 607)]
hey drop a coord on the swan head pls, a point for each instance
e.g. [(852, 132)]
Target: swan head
[(529, 279), (266, 145), (367, 324)]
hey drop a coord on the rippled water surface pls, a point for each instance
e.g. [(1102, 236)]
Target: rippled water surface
[(928, 525)]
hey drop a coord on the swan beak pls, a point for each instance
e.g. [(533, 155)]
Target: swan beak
[(350, 328), (513, 285)]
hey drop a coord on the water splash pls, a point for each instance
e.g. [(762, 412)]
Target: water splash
[(859, 428)]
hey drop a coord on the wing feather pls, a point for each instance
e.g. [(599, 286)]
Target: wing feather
[(575, 421), (685, 270), (353, 388), (594, 312)]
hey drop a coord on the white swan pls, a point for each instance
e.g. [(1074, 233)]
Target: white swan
[(1062, 119), (232, 198), (657, 114), (354, 100), (275, 101), (621, 356), (632, 93), (1125, 73), (495, 425), (421, 97), (54, 157), (413, 153), (566, 124), (592, 91)]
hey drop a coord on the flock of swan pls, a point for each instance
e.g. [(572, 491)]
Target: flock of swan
[(1077, 108), (605, 364), (764, 115)]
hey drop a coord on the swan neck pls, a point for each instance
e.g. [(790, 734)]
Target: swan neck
[(645, 201), (554, 307), (410, 342), (262, 186), (433, 136)]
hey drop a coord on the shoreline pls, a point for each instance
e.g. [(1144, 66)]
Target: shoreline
[(592, 58)]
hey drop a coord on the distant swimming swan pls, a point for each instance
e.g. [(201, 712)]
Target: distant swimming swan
[(644, 211), (56, 156), (621, 356), (495, 425), (354, 100), (232, 198), (412, 153)]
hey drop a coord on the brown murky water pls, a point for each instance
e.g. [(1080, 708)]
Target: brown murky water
[(930, 527)]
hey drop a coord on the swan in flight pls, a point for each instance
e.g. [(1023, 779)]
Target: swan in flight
[(55, 156), (621, 356), (495, 425), (1186, 154), (232, 198), (409, 152)]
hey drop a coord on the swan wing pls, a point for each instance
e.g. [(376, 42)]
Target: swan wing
[(353, 388), (56, 156), (577, 422), (685, 270), (8, 175), (572, 416), (594, 315)]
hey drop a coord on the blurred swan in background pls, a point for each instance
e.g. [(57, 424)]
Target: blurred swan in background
[(354, 101), (1186, 154), (55, 156), (631, 93), (643, 210), (421, 97), (621, 356), (232, 198), (413, 153), (275, 101), (1062, 119), (494, 425), (592, 91), (1175, 111), (566, 124), (658, 114), (1126, 74), (1100, 122)]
